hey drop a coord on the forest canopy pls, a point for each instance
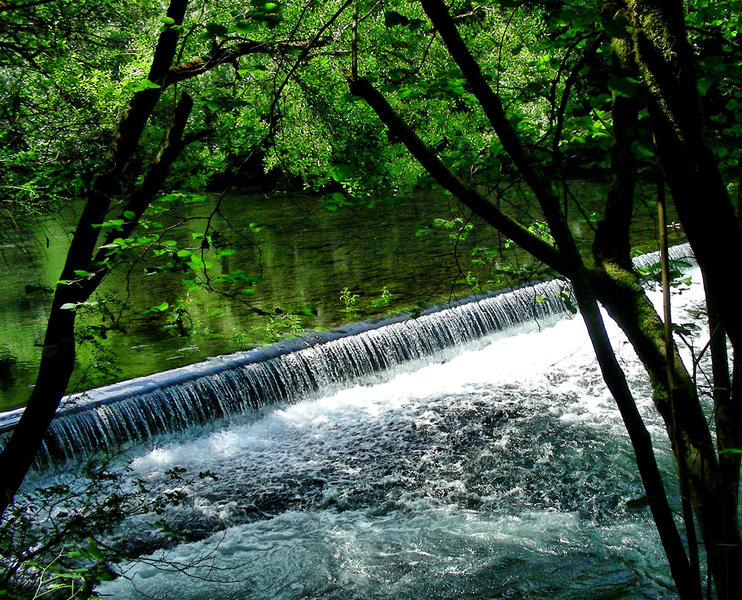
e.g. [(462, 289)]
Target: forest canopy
[(500, 105), (68, 70)]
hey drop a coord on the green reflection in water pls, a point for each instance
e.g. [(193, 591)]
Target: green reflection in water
[(302, 255)]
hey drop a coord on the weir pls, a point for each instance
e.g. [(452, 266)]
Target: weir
[(229, 386)]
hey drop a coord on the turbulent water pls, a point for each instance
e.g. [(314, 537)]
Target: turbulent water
[(503, 472), (238, 384), (494, 469)]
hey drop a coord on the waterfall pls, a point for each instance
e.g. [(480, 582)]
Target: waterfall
[(681, 256), (175, 400), (229, 386)]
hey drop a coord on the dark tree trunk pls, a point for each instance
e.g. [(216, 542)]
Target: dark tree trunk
[(615, 284), (586, 297), (612, 241), (58, 354), (665, 59)]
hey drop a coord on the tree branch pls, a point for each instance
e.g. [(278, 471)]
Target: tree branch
[(360, 87), (143, 196), (223, 55), (58, 355), (495, 112)]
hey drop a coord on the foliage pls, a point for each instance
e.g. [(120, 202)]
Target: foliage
[(384, 298), (270, 80), (61, 539), (282, 325), (349, 300)]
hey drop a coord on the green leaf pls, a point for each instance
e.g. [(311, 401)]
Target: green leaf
[(624, 86), (159, 308), (341, 173), (129, 214), (198, 263), (115, 224), (731, 451), (81, 273), (267, 14), (69, 306), (616, 28), (216, 29), (404, 92), (140, 86), (168, 21), (241, 26), (93, 550)]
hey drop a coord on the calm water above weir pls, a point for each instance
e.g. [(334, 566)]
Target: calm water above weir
[(303, 254), (501, 470)]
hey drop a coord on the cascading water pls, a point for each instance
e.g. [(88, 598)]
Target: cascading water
[(228, 386), (237, 384), (500, 471)]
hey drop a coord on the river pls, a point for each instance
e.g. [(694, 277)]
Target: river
[(500, 470), (389, 255)]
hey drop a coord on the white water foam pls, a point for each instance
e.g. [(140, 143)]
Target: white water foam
[(502, 473)]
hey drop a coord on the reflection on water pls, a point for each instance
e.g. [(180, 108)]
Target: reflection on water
[(388, 256), (303, 254)]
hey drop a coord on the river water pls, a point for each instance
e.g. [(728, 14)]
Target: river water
[(500, 472), (302, 255)]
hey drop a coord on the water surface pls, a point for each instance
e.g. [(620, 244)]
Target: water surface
[(501, 473), (301, 255)]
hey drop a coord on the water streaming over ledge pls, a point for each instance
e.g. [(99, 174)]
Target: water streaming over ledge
[(233, 385)]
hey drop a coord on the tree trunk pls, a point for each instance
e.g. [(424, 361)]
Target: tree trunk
[(665, 59), (586, 297), (687, 584), (58, 354), (615, 284)]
